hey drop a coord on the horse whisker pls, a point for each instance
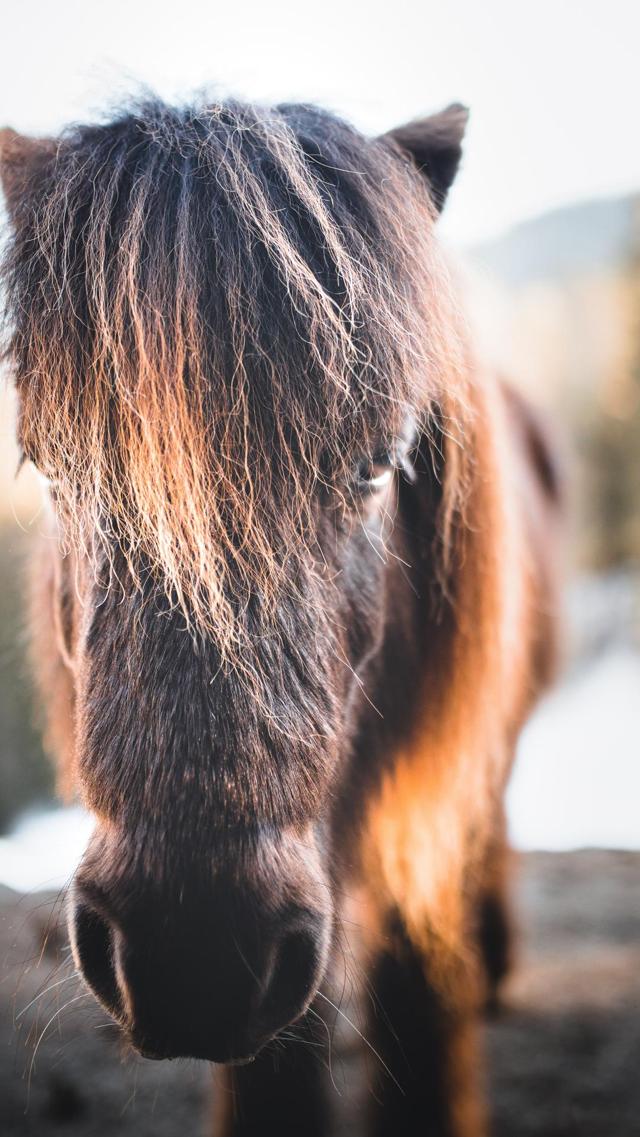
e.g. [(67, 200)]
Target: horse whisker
[(76, 998), (365, 1040), (330, 1038), (41, 994)]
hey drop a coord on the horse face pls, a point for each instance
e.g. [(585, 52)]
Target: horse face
[(202, 912), (217, 327)]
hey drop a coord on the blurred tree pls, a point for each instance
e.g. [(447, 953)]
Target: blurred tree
[(25, 774), (609, 443)]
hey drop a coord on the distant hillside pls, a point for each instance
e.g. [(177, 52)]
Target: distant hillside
[(586, 237), (556, 302)]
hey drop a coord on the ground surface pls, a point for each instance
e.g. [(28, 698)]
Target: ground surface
[(563, 1057)]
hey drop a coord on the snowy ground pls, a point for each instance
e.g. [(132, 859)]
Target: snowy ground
[(577, 778)]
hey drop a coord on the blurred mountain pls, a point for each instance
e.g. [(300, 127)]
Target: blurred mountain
[(588, 237)]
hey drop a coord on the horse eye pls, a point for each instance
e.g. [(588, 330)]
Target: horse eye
[(373, 474)]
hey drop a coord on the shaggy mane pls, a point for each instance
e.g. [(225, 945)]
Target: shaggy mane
[(213, 313)]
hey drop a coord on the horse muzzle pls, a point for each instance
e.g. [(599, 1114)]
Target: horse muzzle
[(212, 968)]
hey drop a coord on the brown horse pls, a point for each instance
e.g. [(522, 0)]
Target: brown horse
[(301, 600)]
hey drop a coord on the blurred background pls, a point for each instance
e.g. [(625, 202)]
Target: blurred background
[(544, 221), (544, 224)]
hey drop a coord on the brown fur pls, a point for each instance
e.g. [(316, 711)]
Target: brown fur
[(276, 679)]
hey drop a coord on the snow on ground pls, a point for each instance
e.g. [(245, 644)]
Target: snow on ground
[(44, 848), (577, 778), (576, 782)]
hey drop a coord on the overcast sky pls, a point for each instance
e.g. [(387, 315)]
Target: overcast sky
[(552, 85)]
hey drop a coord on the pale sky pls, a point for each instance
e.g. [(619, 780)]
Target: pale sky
[(552, 85)]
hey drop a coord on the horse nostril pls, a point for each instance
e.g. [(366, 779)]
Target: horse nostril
[(213, 977), (92, 939), (295, 974)]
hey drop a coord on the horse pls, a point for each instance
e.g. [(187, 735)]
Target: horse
[(295, 599)]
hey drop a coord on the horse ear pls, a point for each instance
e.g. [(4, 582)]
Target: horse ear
[(22, 161), (435, 144)]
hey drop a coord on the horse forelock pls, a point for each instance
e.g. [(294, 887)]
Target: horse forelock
[(213, 313)]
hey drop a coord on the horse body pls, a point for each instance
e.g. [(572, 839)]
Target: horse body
[(303, 599)]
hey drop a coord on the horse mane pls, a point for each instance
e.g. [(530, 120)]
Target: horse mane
[(212, 312)]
